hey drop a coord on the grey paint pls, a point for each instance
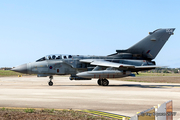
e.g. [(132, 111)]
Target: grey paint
[(136, 58)]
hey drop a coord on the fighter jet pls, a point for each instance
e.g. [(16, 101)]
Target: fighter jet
[(120, 64)]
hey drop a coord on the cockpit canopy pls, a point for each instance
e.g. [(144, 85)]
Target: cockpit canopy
[(54, 57)]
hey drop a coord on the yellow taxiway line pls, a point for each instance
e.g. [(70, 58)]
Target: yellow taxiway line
[(106, 114)]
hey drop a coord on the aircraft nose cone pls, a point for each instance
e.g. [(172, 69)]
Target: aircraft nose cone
[(21, 68)]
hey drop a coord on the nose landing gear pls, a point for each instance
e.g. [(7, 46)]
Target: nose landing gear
[(50, 81)]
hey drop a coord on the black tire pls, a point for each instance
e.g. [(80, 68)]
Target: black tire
[(99, 82), (50, 83), (71, 78), (105, 82)]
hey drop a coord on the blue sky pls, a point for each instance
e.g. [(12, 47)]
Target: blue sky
[(35, 28)]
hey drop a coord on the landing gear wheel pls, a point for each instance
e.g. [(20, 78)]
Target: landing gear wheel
[(105, 82), (50, 83), (99, 82)]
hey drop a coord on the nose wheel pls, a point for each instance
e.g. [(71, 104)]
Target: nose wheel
[(50, 81), (103, 82)]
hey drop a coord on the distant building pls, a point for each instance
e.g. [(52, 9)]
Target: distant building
[(5, 68)]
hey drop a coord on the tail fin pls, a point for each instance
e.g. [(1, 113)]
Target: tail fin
[(150, 46)]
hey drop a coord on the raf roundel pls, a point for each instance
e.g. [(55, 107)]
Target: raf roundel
[(50, 67)]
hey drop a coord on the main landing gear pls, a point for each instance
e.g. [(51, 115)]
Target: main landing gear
[(103, 82), (50, 81)]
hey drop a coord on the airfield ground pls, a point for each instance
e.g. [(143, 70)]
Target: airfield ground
[(46, 114), (120, 97)]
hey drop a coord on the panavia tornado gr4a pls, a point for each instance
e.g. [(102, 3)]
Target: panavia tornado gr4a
[(120, 64)]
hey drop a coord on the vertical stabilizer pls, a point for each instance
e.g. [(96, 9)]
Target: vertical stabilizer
[(150, 46)]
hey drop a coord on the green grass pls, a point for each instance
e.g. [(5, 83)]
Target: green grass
[(3, 109), (157, 74), (29, 110), (6, 73), (48, 110)]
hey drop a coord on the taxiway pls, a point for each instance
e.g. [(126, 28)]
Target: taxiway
[(120, 97)]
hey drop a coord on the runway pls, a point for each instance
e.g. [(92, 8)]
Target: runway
[(120, 97)]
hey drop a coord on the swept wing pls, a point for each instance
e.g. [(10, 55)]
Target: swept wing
[(105, 63)]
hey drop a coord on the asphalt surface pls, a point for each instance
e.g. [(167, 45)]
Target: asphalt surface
[(120, 97)]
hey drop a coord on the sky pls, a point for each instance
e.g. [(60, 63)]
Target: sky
[(32, 29)]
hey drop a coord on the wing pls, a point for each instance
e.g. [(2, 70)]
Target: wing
[(104, 63)]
